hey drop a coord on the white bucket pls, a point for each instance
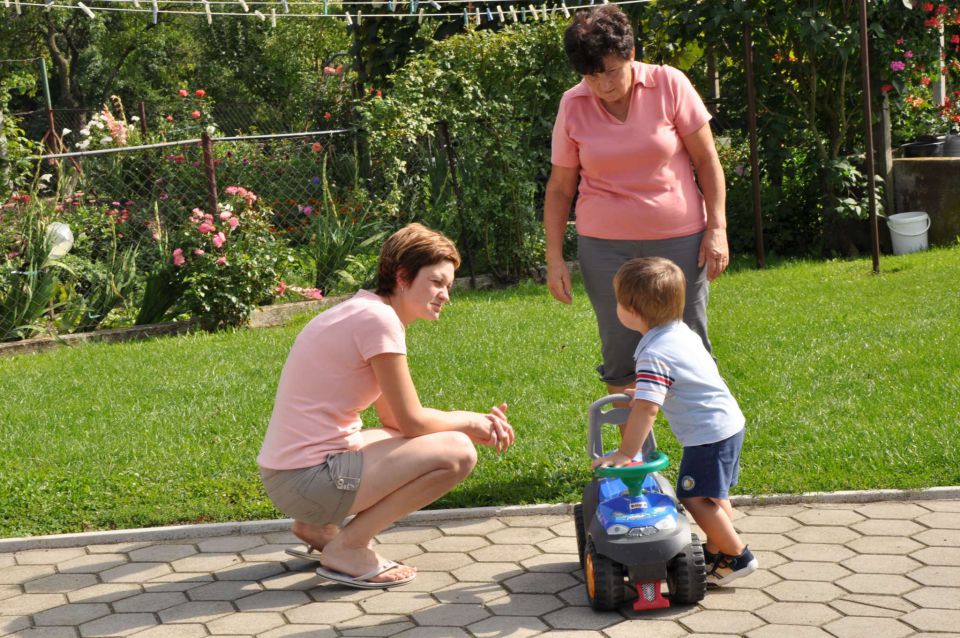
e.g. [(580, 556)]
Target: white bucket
[(908, 232)]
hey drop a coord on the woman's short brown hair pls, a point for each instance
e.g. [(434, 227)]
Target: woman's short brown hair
[(407, 251), (652, 287), (596, 33)]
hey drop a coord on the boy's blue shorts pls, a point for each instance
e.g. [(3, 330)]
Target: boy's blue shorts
[(710, 470)]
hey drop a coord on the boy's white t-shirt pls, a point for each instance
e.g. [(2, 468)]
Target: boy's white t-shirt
[(327, 381), (676, 372)]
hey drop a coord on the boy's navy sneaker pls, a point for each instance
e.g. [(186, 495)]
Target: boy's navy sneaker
[(728, 568), (710, 559)]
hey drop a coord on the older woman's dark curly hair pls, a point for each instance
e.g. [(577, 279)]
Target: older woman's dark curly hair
[(594, 34)]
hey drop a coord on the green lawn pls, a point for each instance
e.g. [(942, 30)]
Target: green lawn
[(849, 381)]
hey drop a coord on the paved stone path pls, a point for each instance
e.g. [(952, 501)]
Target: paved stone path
[(875, 570)]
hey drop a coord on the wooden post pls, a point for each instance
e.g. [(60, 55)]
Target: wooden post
[(754, 150), (143, 121), (211, 173), (868, 135), (444, 134), (885, 154)]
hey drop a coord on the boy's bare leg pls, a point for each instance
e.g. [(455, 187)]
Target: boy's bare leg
[(714, 516), (399, 476)]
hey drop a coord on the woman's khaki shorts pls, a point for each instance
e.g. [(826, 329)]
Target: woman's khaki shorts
[(319, 495)]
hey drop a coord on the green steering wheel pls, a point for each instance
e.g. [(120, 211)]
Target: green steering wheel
[(633, 475)]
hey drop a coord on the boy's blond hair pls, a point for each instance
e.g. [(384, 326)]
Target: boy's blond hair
[(652, 287), (408, 250)]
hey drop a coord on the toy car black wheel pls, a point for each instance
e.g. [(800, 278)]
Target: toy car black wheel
[(581, 527), (687, 574), (604, 579)]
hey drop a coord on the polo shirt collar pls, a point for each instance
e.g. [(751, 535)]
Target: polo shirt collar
[(642, 74)]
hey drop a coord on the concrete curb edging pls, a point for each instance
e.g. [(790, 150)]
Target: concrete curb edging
[(210, 530)]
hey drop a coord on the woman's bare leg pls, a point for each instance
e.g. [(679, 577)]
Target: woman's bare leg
[(399, 476), (315, 536)]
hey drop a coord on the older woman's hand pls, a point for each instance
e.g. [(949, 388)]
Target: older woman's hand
[(714, 252)]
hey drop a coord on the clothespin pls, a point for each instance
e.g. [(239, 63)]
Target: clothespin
[(420, 16), (346, 14), (478, 16), (16, 3), (359, 16), (500, 13), (566, 11), (83, 8), (49, 4), (513, 14), (523, 13), (244, 6), (489, 14), (466, 18), (533, 10), (206, 10), (390, 5), (286, 7), (6, 4), (325, 3), (136, 3), (260, 15), (155, 10), (435, 4), (544, 12), (273, 17)]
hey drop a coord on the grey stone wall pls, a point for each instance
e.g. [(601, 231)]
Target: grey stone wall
[(931, 185)]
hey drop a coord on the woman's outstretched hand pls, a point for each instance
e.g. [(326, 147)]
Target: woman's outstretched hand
[(501, 434)]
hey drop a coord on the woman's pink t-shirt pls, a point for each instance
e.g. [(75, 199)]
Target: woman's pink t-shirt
[(636, 181), (327, 381)]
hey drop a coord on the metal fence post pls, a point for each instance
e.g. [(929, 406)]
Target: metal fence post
[(143, 120), (210, 171), (444, 134)]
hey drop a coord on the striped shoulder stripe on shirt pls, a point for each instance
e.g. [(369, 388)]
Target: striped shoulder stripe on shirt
[(653, 373)]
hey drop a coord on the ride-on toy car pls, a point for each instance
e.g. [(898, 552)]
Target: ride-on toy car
[(631, 530)]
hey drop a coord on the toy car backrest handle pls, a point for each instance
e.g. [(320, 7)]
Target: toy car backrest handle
[(616, 416)]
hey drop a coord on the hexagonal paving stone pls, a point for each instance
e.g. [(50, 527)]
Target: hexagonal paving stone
[(224, 590), (27, 604), (174, 631), (92, 563), (196, 612), (117, 625), (539, 583), (769, 559), (802, 570), (300, 631), (877, 584), (432, 632), (793, 631), (402, 534), (48, 556), (564, 529), (176, 582), (524, 605), (504, 553), (935, 597), (472, 527), (135, 572), (23, 573), (267, 553), (881, 564), (820, 516), (943, 556), (933, 619), (59, 583), (395, 602), (561, 563), (815, 614), (936, 575), (861, 605), (884, 545), (10, 624), (379, 625), (163, 553), (251, 571), (891, 509), (322, 613), (149, 602), (477, 593), (823, 534), (245, 623), (399, 551), (940, 520), (116, 548), (74, 614), (204, 562), (737, 622), (760, 579), (939, 537), (860, 626), (736, 599), (428, 582), (439, 561), (455, 543), (766, 524), (537, 520), (487, 572), (450, 615), (559, 545), (804, 591), (273, 601), (581, 618), (887, 527), (520, 535), (9, 591), (502, 626), (646, 629), (770, 510), (230, 544), (765, 542), (817, 552), (335, 593)]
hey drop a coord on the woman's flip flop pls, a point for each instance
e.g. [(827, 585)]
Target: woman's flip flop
[(364, 582), (311, 553)]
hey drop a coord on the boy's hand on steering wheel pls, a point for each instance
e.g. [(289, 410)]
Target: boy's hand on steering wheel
[(614, 459)]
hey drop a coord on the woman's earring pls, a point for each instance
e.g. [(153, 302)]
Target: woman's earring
[(402, 290)]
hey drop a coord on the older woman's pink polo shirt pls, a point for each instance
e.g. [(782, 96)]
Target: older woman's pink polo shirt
[(636, 180), (328, 380)]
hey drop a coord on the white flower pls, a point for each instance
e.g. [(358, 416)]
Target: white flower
[(46, 177), (85, 132), (97, 123), (83, 145), (106, 140), (211, 130), (134, 118), (66, 132)]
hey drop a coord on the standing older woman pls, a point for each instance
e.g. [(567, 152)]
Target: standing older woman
[(317, 464), (629, 132)]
